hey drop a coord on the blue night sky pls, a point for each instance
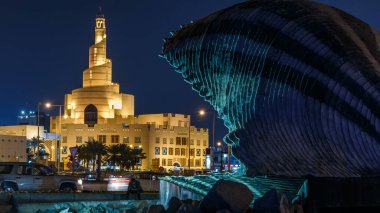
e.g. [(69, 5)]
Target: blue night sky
[(44, 49)]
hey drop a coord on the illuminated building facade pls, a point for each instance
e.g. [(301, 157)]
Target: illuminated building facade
[(12, 148), (98, 111)]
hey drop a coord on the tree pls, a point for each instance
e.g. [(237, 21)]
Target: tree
[(130, 156), (114, 154), (32, 144), (84, 154), (95, 148), (137, 154), (126, 157)]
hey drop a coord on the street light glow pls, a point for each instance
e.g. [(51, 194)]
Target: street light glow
[(48, 105), (202, 112), (219, 143)]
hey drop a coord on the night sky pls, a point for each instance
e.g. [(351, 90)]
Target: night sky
[(44, 50)]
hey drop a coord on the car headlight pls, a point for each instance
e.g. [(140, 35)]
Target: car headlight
[(80, 181)]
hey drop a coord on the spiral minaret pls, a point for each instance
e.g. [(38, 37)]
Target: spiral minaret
[(99, 72)]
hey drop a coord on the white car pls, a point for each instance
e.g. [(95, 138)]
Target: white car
[(18, 176), (117, 183)]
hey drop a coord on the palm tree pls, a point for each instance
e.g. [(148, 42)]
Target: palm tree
[(34, 143), (96, 148), (137, 154), (114, 154), (126, 157), (84, 155)]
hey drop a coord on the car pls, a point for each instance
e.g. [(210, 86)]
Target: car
[(118, 183), (20, 176)]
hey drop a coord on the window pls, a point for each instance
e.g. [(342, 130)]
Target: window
[(157, 150), (192, 142), (90, 139), (114, 139), (198, 152), (64, 139), (170, 162), (164, 150), (163, 140), (178, 141), (171, 140), (177, 151), (157, 139), (191, 152), (204, 143), (24, 170), (170, 151), (102, 139), (64, 150), (41, 170), (163, 162), (6, 169), (79, 139), (197, 162), (155, 162), (166, 124), (137, 139), (184, 141), (204, 152), (125, 139), (198, 142), (183, 152), (90, 115)]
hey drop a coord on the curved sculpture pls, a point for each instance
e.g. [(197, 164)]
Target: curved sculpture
[(297, 83)]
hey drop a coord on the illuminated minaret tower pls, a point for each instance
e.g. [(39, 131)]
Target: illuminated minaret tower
[(99, 100), (99, 72)]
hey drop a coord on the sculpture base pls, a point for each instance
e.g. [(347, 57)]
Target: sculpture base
[(341, 194)]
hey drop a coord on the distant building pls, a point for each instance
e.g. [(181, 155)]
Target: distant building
[(98, 111), (29, 117), (28, 131), (12, 148)]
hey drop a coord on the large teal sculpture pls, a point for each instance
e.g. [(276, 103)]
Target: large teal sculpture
[(297, 83)]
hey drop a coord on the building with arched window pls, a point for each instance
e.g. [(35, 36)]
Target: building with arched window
[(99, 111)]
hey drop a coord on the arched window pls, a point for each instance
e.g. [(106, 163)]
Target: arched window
[(90, 115)]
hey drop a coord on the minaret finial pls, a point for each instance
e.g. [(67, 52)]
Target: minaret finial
[(100, 13)]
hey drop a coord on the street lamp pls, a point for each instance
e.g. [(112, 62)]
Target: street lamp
[(38, 130), (49, 105), (138, 158), (221, 155), (189, 144), (203, 113)]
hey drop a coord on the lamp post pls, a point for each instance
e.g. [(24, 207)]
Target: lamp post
[(38, 130), (58, 159), (202, 113), (221, 155), (189, 144), (229, 158), (137, 158)]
